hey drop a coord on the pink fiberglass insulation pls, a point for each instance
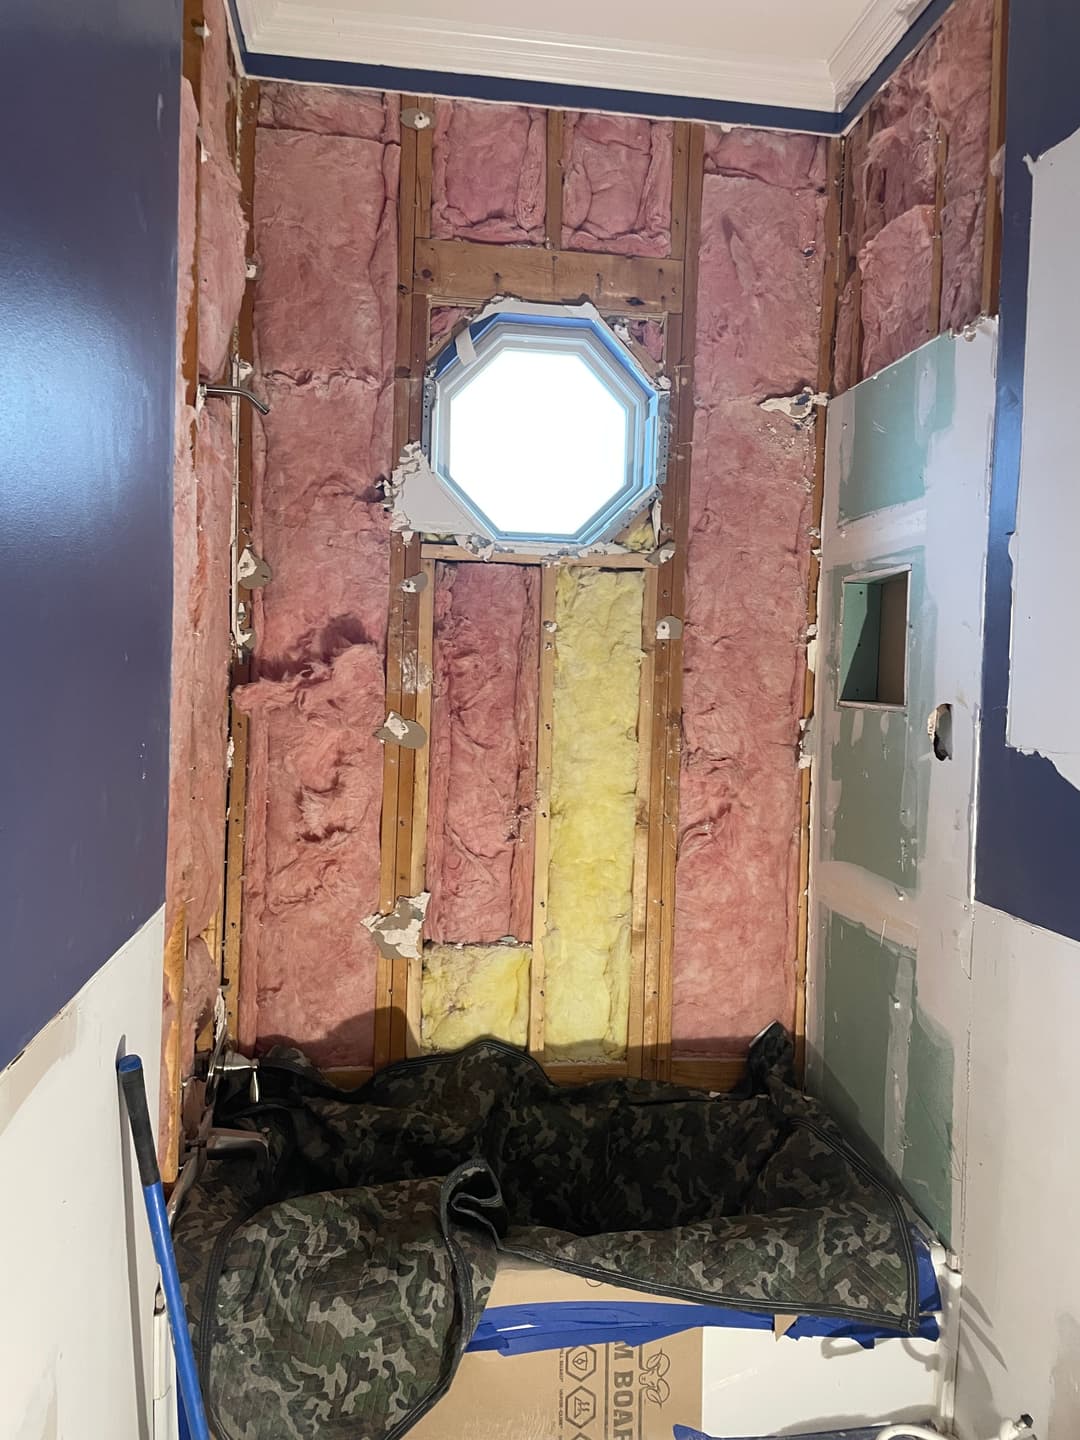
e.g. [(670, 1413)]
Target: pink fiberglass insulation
[(897, 276), (942, 91), (744, 643), (488, 177), (483, 753), (325, 206), (222, 229), (311, 872), (326, 111), (617, 184), (325, 228)]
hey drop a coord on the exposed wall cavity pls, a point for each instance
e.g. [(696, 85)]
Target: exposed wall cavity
[(617, 184), (593, 800), (202, 530), (472, 990), (483, 753), (744, 641), (489, 172), (927, 132), (325, 207)]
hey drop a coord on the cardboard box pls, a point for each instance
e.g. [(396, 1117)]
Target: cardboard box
[(583, 1392)]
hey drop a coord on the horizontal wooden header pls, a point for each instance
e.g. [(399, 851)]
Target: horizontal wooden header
[(464, 272)]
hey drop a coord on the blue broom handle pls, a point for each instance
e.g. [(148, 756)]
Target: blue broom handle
[(130, 1070)]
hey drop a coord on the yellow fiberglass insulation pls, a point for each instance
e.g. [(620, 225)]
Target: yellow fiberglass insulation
[(593, 803), (473, 990)]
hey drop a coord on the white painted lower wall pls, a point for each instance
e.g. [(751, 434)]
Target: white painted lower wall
[(1020, 1315), (77, 1273)]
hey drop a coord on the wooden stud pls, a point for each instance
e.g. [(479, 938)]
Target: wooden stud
[(236, 795), (545, 705), (937, 269), (421, 776), (469, 273), (626, 560), (826, 348), (676, 522), (175, 960), (719, 1075), (553, 218), (991, 273), (392, 1015), (635, 1042)]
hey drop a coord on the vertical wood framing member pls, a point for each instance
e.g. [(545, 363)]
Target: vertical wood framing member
[(545, 707), (421, 778), (403, 630), (640, 901), (991, 274), (937, 271), (174, 959), (553, 209), (829, 299), (236, 801), (671, 600)]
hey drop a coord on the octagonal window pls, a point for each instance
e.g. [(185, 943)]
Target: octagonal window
[(544, 428)]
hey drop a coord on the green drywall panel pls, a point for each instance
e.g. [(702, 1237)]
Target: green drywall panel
[(928, 1121), (884, 449), (862, 972)]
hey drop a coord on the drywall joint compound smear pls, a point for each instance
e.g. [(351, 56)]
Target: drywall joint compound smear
[(593, 800)]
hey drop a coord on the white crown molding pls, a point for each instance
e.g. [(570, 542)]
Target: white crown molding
[(882, 24), (346, 30)]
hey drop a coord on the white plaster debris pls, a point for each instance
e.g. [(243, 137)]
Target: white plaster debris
[(669, 627), (396, 730), (798, 408), (662, 554), (413, 584), (415, 118), (397, 935), (252, 571)]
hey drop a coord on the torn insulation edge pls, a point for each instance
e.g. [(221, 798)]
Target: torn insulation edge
[(397, 935)]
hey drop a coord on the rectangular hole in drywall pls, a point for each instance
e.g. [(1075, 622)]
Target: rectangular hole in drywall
[(873, 640)]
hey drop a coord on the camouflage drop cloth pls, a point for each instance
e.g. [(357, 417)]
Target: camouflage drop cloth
[(332, 1289)]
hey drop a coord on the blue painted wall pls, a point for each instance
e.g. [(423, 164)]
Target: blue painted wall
[(1029, 816), (88, 111)]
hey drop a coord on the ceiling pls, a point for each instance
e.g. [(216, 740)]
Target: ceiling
[(782, 53)]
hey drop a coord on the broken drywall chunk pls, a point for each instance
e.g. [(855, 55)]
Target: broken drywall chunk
[(415, 118), (798, 408), (397, 935), (662, 554), (669, 627), (418, 500), (396, 730), (413, 584), (252, 571)]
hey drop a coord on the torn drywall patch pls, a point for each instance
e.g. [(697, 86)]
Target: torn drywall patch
[(397, 935), (396, 730)]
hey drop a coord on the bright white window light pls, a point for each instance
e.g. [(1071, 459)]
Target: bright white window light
[(543, 428), (538, 441)]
